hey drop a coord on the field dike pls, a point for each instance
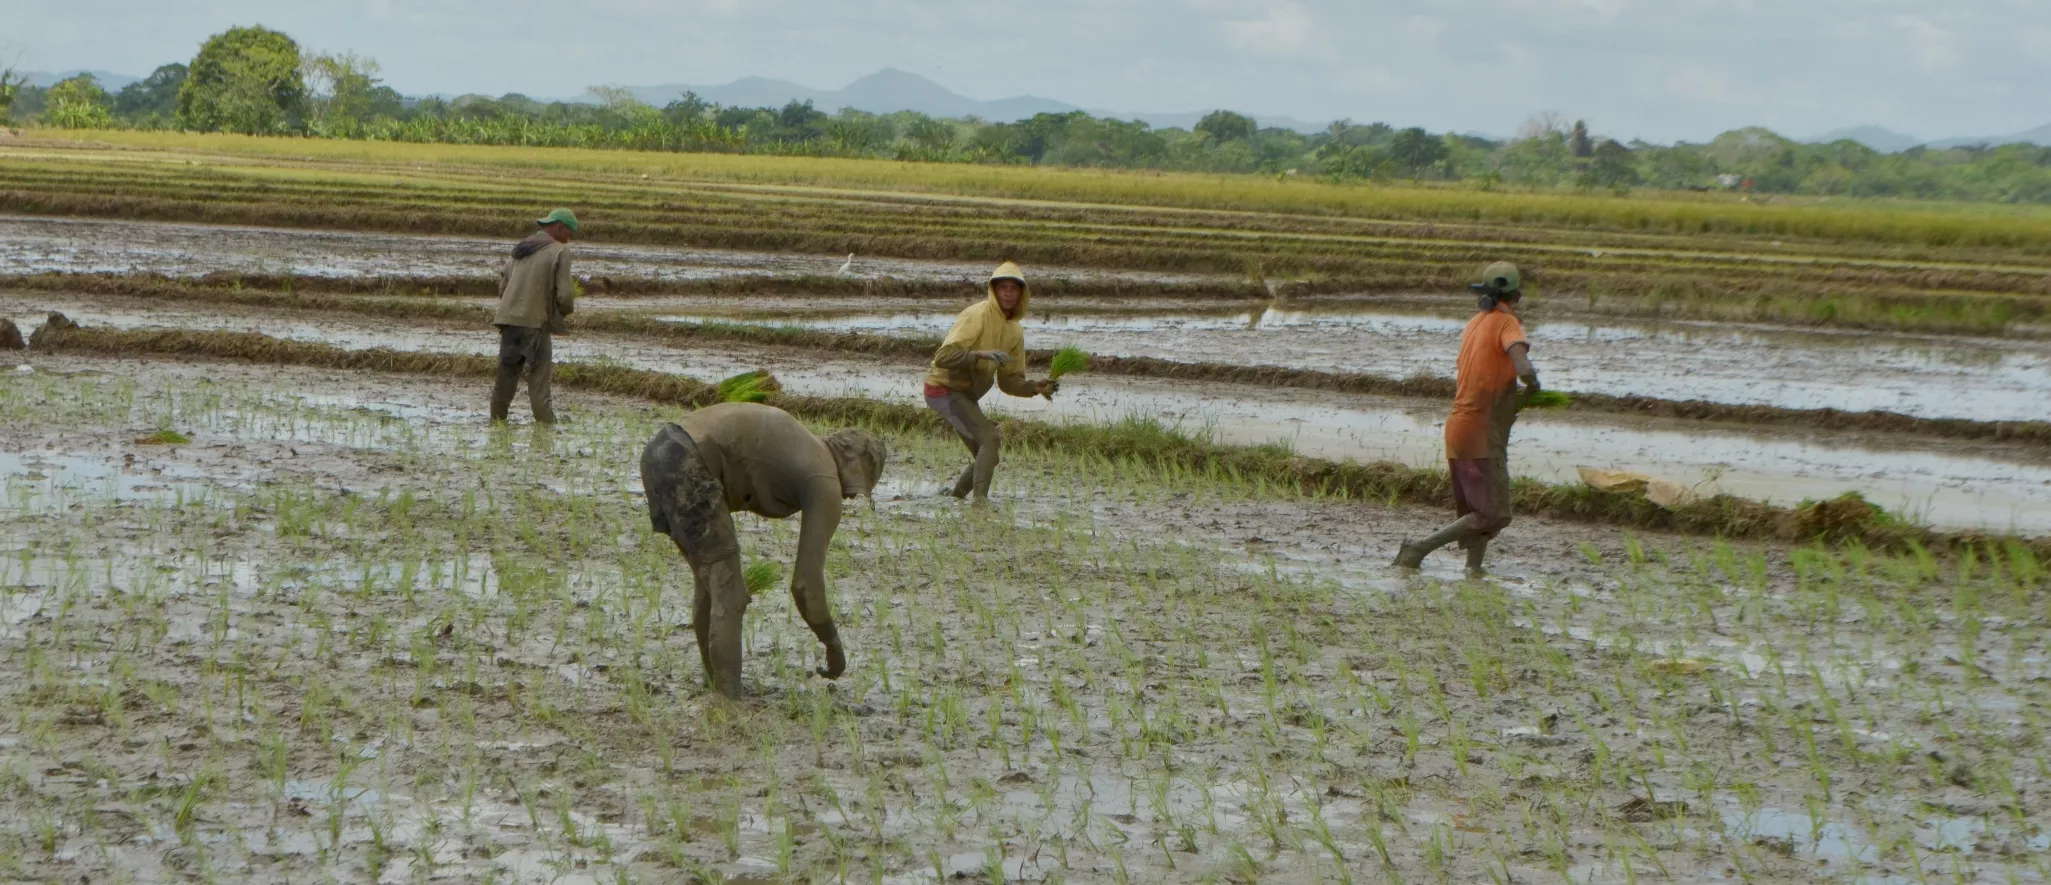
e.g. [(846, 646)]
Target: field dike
[(1845, 520), (348, 296)]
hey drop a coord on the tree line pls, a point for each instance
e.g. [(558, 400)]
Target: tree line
[(259, 81)]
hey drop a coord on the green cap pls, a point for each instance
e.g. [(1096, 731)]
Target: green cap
[(1500, 278), (562, 216)]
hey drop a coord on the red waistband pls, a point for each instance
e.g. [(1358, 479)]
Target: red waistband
[(935, 390)]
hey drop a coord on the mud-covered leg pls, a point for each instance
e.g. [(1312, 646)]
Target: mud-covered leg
[(1459, 531), (721, 645), (701, 620), (512, 359), (540, 378), (1477, 550)]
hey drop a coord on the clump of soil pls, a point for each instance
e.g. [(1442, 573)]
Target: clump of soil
[(10, 336)]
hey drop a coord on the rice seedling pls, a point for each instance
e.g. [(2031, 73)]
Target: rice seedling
[(504, 650), (1546, 399), (749, 387)]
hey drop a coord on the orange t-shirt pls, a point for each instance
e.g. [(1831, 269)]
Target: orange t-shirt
[(1485, 381)]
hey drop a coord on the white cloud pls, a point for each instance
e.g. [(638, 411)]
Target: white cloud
[(1287, 31), (1934, 47), (1659, 69)]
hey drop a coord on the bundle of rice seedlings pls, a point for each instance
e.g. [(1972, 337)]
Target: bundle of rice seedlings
[(165, 437), (761, 576), (1548, 399), (749, 387), (1066, 360)]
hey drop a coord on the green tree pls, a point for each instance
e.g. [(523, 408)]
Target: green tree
[(1613, 167), (10, 86), (930, 134), (244, 80), (78, 103), (1577, 140), (1416, 151), (1218, 127), (340, 90), (152, 98)]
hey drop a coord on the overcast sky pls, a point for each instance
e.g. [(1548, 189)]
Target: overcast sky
[(1657, 69)]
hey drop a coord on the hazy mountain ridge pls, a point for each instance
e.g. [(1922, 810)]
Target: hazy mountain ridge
[(1888, 141)]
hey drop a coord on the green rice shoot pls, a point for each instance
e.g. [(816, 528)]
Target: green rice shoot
[(761, 576), (1548, 399), (1066, 360), (748, 387)]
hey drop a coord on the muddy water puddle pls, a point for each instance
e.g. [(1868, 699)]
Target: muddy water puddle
[(69, 245), (1927, 376), (1998, 490)]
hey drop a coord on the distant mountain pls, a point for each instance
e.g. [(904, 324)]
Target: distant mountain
[(2038, 136), (109, 81), (890, 90), (883, 92), (1886, 141)]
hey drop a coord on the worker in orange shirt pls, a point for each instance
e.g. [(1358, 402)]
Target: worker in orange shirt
[(1493, 357)]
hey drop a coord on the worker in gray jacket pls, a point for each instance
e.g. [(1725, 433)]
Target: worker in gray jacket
[(746, 456), (536, 292)]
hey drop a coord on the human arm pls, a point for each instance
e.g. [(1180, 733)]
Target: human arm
[(565, 285), (1520, 357), (957, 351), (821, 516), (1011, 376)]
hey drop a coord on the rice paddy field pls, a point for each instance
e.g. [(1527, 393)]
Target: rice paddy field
[(279, 604)]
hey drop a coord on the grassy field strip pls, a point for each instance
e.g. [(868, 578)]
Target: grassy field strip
[(1846, 519), (1683, 259), (1088, 206), (1905, 221)]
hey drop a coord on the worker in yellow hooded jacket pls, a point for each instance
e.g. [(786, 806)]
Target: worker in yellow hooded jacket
[(986, 347)]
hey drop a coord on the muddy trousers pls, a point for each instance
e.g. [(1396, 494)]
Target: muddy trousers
[(985, 442), (688, 504), (1481, 501), (530, 351)]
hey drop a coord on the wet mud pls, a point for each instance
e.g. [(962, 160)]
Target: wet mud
[(331, 668), (1962, 486), (1918, 375), (71, 245)]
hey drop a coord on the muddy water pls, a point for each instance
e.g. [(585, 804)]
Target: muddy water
[(67, 245), (1927, 376), (1966, 487)]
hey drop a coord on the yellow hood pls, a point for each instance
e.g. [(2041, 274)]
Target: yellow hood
[(1010, 271)]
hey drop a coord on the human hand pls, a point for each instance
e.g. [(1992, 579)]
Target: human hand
[(1046, 388), (836, 661)]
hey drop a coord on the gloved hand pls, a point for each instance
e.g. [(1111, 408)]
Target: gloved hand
[(1047, 388), (836, 661), (996, 356)]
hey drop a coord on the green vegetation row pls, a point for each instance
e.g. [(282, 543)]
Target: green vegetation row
[(254, 80), (1844, 519), (1919, 225), (918, 348), (1854, 295)]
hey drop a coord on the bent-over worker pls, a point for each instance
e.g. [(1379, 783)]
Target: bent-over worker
[(746, 456), (535, 292), (1493, 357), (985, 347)]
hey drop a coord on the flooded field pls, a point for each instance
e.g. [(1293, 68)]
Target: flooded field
[(1961, 486), (1921, 375), (71, 245), (305, 664)]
